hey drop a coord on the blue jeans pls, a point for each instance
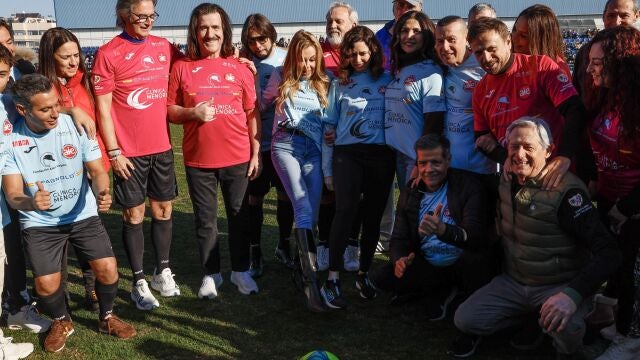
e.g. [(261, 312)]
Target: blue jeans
[(297, 160)]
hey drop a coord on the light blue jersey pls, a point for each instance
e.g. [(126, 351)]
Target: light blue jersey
[(458, 127), (436, 252), (356, 111), (302, 111), (56, 158), (5, 139), (265, 67), (413, 92)]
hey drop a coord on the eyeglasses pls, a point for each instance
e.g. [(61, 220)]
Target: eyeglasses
[(259, 39), (142, 18)]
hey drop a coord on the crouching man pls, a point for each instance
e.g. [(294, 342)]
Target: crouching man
[(44, 179), (556, 251)]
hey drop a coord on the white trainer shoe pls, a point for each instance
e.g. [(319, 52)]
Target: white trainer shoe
[(351, 258), (164, 283), (245, 283), (210, 285), (28, 318), (142, 296), (622, 348), (10, 350), (322, 257)]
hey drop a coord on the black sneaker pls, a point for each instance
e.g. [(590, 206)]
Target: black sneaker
[(464, 346), (365, 285), (256, 266), (284, 257), (332, 294), (438, 304)]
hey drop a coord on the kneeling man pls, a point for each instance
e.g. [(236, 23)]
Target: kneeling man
[(557, 253), (44, 178)]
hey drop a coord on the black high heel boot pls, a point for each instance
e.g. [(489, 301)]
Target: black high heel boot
[(309, 268)]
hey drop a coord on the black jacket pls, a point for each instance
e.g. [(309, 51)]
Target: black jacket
[(467, 201)]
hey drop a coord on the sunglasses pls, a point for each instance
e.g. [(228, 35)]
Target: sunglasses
[(259, 39)]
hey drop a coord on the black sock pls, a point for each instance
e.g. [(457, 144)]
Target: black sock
[(325, 218), (284, 215), (54, 305), (133, 238), (161, 234), (88, 277), (106, 297), (256, 217)]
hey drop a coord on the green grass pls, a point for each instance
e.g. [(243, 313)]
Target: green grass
[(273, 324)]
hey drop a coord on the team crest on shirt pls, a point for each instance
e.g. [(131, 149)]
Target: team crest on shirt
[(7, 128), (576, 200), (503, 103), (96, 79), (524, 92), (48, 160), (382, 89), (469, 85), (364, 92), (563, 78), (607, 123), (409, 80), (230, 77), (452, 89), (147, 61), (69, 151), (162, 58), (213, 79)]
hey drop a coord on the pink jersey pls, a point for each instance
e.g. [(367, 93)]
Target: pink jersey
[(136, 74), (618, 160), (534, 85), (225, 140)]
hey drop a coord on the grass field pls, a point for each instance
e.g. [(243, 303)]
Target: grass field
[(273, 324)]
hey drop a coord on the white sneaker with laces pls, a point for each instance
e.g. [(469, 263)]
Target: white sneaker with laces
[(10, 350), (210, 285), (28, 318), (164, 283), (622, 348), (322, 257), (142, 296), (351, 258), (245, 283)]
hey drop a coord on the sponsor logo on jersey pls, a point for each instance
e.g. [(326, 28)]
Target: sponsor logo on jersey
[(196, 69), (147, 61), (213, 79), (47, 160), (22, 142), (409, 80), (490, 93), (469, 85), (563, 78), (134, 99), (129, 56), (503, 103), (7, 128), (607, 123), (69, 151), (230, 77), (365, 91), (96, 79), (162, 58), (524, 92), (355, 130), (30, 149)]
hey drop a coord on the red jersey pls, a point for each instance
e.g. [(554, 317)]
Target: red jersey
[(534, 85), (225, 140), (331, 58), (618, 160), (136, 73), (73, 94)]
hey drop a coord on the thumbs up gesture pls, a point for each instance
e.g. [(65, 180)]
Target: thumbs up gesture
[(431, 223), (42, 198), (402, 264), (205, 111), (104, 200)]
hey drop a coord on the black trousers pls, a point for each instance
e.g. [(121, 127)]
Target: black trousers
[(15, 271), (203, 188), (360, 171)]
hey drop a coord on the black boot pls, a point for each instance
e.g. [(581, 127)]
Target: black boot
[(283, 254), (307, 256), (256, 265)]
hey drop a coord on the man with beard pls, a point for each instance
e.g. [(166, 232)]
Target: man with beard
[(341, 17)]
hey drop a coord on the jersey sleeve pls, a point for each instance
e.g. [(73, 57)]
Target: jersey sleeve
[(432, 94), (176, 54), (248, 88), (480, 122), (174, 96), (333, 112), (270, 93), (556, 84), (10, 165), (90, 149), (327, 154), (103, 75)]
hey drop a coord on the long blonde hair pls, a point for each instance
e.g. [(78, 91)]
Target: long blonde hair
[(292, 71)]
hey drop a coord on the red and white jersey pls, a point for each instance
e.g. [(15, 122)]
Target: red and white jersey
[(225, 140), (331, 58), (137, 75), (534, 85), (617, 159)]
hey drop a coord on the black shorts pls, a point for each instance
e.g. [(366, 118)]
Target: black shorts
[(154, 177), (45, 245), (267, 179)]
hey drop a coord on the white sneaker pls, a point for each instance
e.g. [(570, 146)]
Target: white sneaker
[(28, 318), (164, 283), (351, 258), (210, 285), (245, 283), (625, 348), (322, 257), (142, 296), (382, 246), (10, 350)]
